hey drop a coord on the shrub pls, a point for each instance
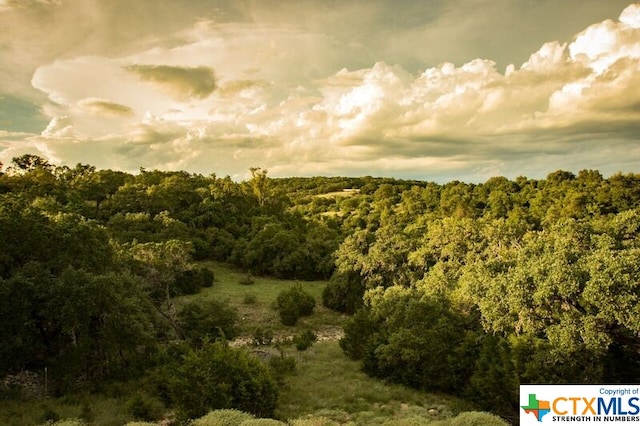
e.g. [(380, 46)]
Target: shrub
[(223, 418), (191, 281), (262, 336), (293, 304), (304, 340), (216, 377), (250, 299), (144, 407), (344, 293), (262, 422), (246, 280), (50, 415), (208, 319), (477, 418), (313, 421), (282, 366), (68, 422)]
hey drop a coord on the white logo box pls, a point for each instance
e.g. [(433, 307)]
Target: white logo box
[(579, 404)]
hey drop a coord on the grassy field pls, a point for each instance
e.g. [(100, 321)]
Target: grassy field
[(329, 384), (255, 302)]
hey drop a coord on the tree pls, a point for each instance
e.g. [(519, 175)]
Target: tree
[(160, 264), (293, 304), (259, 184), (29, 162), (207, 320), (217, 376)]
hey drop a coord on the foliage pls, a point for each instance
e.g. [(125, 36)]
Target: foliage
[(144, 407), (262, 336), (228, 417), (262, 422), (207, 320), (344, 293), (216, 376), (294, 303), (246, 280), (304, 339), (191, 281), (477, 418)]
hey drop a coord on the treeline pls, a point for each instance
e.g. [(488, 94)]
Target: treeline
[(248, 224), (473, 289)]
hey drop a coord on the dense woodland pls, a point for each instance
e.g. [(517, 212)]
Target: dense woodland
[(460, 288)]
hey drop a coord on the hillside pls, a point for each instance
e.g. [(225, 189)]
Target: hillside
[(146, 291)]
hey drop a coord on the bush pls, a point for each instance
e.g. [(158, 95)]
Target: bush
[(282, 366), (191, 281), (313, 421), (262, 336), (246, 280), (144, 407), (293, 304), (477, 418), (50, 415), (344, 293), (208, 319), (304, 340), (68, 422), (216, 377), (223, 418), (262, 422)]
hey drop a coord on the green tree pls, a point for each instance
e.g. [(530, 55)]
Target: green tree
[(217, 376), (294, 303)]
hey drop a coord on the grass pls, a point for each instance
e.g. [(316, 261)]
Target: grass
[(262, 294), (329, 384), (99, 409)]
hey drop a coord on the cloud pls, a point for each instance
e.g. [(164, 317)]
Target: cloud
[(292, 99), (180, 82), (105, 108), (59, 128)]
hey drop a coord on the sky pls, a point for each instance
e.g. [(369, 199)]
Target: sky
[(434, 90)]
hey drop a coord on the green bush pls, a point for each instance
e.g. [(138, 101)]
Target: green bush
[(223, 418), (304, 340), (207, 319), (313, 421), (68, 422), (50, 415), (262, 336), (344, 293), (477, 418), (250, 299), (282, 366), (144, 407), (246, 280), (191, 281), (218, 377), (262, 422), (293, 304), (409, 421)]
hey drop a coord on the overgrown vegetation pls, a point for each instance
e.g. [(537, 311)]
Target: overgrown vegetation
[(109, 278)]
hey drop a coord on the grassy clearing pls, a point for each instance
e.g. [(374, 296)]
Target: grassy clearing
[(329, 384), (255, 302)]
